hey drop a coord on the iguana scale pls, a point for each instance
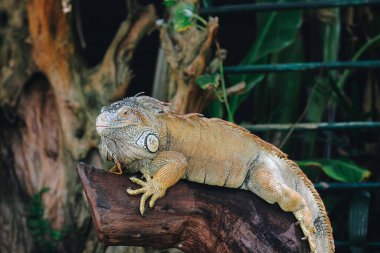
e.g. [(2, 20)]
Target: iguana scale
[(143, 134)]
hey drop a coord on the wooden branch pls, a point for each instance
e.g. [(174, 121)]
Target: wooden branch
[(53, 48), (235, 89), (115, 64), (187, 54), (192, 217)]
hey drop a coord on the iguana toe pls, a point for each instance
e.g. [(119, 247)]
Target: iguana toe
[(137, 181), (151, 188), (156, 196)]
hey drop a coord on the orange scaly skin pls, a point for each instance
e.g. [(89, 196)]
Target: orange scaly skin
[(143, 134)]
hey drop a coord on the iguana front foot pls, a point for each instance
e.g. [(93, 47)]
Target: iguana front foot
[(151, 188)]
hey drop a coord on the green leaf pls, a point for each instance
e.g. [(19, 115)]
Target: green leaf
[(206, 3), (33, 224), (283, 88), (275, 31), (44, 189), (44, 225), (36, 198), (357, 55), (236, 100), (343, 171), (182, 24), (56, 235), (182, 16), (184, 10), (214, 110), (319, 98), (323, 89), (169, 3), (207, 80), (312, 169)]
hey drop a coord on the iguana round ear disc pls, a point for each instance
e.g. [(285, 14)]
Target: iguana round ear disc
[(149, 141)]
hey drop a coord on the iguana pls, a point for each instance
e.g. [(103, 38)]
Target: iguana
[(143, 134)]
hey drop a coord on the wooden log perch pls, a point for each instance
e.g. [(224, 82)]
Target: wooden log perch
[(191, 217)]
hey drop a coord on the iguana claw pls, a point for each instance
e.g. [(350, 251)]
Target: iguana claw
[(116, 169), (150, 188)]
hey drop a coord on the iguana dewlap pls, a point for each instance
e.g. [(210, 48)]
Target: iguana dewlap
[(143, 134)]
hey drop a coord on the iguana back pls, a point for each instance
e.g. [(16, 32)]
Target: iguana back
[(223, 154)]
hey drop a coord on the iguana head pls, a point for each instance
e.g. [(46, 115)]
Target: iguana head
[(127, 130)]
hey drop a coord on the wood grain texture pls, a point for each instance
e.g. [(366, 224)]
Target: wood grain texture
[(192, 217)]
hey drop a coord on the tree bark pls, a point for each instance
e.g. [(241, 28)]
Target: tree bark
[(49, 100), (186, 55), (191, 217)]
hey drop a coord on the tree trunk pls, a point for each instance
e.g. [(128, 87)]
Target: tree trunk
[(188, 55), (49, 101), (185, 55)]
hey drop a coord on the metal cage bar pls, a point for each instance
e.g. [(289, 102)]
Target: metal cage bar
[(241, 8), (369, 64), (365, 64), (313, 126), (347, 186)]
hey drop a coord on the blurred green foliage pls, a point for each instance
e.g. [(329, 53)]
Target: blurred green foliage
[(275, 32), (44, 237), (277, 97), (340, 170), (183, 16)]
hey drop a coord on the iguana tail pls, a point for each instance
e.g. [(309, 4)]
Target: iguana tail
[(277, 179), (323, 235)]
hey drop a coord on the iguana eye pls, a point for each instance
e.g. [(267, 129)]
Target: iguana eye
[(123, 111)]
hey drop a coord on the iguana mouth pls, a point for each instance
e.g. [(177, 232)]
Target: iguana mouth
[(101, 126), (118, 124)]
